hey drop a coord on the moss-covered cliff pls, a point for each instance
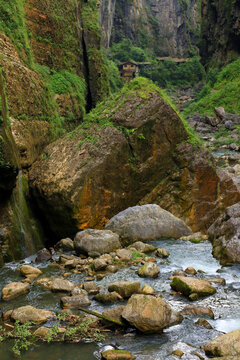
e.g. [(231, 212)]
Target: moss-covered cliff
[(51, 71)]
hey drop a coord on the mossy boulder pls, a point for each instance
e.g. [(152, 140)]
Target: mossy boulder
[(192, 287)]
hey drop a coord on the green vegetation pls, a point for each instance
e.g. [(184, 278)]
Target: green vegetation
[(125, 50), (224, 137), (102, 114), (12, 23), (62, 82), (220, 90), (169, 74)]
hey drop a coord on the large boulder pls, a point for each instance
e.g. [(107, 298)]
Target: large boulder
[(96, 242), (78, 185), (29, 313), (15, 289), (192, 287), (147, 313), (225, 235), (147, 222), (224, 345)]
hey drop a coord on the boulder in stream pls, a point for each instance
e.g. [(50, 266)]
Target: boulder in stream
[(74, 302), (14, 289), (125, 288), (108, 297), (61, 285), (117, 355), (147, 313), (30, 272), (149, 270), (224, 345), (192, 287), (30, 313), (146, 222), (96, 242)]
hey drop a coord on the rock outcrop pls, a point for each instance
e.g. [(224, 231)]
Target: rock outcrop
[(225, 235)]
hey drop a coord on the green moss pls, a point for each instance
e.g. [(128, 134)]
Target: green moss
[(13, 24), (223, 91)]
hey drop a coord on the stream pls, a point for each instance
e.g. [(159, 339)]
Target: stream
[(186, 336)]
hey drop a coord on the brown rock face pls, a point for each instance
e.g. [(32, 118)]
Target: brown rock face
[(195, 191)]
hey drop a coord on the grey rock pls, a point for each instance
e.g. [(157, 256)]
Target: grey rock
[(74, 302), (149, 270), (99, 264), (65, 245), (96, 242), (147, 222)]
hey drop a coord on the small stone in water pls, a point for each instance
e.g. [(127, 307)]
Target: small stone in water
[(178, 353)]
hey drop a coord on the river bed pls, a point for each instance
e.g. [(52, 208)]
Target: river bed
[(186, 336)]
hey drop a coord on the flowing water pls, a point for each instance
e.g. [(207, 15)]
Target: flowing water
[(186, 336)]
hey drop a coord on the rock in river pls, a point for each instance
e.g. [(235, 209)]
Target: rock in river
[(15, 289), (29, 313), (147, 313), (149, 270), (125, 288), (192, 287), (224, 345), (96, 242), (117, 355), (147, 222)]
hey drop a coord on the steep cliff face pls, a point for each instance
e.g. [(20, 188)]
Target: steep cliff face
[(220, 30), (168, 27)]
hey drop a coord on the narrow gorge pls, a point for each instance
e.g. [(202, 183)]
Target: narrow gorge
[(119, 179)]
